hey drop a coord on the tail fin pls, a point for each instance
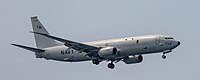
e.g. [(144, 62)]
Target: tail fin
[(41, 41)]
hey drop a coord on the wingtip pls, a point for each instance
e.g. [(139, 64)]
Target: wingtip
[(12, 44)]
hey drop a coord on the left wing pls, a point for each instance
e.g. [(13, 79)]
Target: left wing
[(90, 50)]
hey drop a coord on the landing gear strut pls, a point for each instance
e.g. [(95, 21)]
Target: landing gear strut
[(165, 52)]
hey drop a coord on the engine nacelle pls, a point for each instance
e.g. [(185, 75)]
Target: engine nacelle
[(107, 52), (133, 59)]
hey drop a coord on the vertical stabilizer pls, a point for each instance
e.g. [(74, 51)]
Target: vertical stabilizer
[(41, 41)]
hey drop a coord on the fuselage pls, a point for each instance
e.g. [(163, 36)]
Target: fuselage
[(137, 45), (129, 49)]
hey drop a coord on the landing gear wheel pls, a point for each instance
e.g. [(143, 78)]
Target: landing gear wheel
[(95, 61), (111, 65), (164, 57)]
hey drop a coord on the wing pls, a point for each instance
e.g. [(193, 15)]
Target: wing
[(90, 50)]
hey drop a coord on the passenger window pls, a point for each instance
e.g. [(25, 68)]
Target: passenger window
[(169, 38)]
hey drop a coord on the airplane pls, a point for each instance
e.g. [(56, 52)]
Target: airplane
[(129, 49)]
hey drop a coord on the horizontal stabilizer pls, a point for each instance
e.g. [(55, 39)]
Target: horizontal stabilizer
[(29, 48)]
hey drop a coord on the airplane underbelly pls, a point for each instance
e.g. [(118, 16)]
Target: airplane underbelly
[(78, 57)]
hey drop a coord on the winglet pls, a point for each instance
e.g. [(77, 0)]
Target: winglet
[(29, 48)]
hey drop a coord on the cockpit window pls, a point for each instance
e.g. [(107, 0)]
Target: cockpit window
[(169, 38)]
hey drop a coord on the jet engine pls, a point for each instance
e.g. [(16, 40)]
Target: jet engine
[(108, 52), (133, 59)]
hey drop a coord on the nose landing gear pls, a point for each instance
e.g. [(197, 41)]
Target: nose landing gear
[(164, 56), (165, 52)]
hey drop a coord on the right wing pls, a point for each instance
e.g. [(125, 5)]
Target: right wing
[(90, 50)]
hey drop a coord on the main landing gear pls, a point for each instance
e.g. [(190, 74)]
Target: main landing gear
[(95, 61), (111, 65), (165, 52)]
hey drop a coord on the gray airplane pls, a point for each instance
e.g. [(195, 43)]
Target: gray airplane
[(128, 50)]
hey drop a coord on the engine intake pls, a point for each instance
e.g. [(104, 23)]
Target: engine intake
[(108, 52)]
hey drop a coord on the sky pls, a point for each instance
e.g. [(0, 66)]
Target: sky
[(89, 20)]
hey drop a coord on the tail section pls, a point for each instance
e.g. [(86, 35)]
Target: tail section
[(41, 41)]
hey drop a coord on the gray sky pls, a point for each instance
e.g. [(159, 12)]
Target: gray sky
[(88, 20)]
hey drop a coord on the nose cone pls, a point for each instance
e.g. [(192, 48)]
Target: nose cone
[(178, 43)]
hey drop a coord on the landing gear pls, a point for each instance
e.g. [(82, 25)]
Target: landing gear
[(95, 61), (164, 56), (111, 65), (165, 52)]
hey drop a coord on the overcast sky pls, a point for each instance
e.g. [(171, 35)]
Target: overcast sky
[(88, 20)]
